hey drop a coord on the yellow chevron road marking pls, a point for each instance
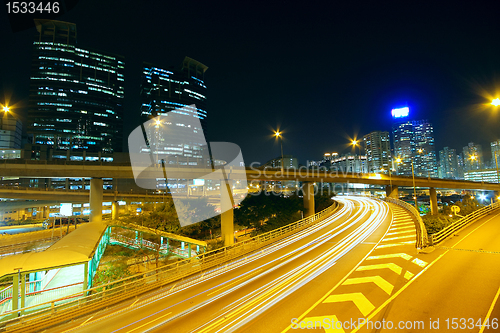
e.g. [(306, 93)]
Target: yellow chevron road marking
[(419, 262), (401, 232), (394, 244), (393, 267), (400, 224), (408, 275), (396, 238), (328, 323), (392, 255), (378, 280), (399, 228), (361, 302)]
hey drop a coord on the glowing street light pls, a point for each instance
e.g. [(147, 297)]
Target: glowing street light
[(495, 102), (279, 136), (6, 109), (399, 160)]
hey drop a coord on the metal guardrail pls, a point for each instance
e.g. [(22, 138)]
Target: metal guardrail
[(71, 306), (447, 232), (422, 237)]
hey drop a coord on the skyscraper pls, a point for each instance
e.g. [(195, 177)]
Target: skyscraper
[(495, 151), (404, 146), (448, 163), (473, 157), (162, 92), (414, 142), (425, 162), (378, 151), (76, 93)]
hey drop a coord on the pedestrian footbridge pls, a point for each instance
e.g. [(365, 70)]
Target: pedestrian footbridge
[(69, 266)]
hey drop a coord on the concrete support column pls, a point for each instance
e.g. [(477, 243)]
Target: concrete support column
[(189, 250), (433, 201), (391, 191), (227, 216), (308, 191), (45, 212), (114, 210), (96, 193), (227, 227)]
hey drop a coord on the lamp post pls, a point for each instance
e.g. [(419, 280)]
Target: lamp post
[(279, 136), (496, 165), (355, 143), (399, 160)]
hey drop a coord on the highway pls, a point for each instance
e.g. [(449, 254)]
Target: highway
[(263, 290), (460, 289)]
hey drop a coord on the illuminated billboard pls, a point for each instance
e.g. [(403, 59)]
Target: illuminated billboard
[(400, 112)]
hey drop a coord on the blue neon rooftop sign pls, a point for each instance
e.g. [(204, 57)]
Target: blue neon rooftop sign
[(400, 112)]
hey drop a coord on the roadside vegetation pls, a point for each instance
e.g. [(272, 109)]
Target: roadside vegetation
[(256, 214), (436, 223)]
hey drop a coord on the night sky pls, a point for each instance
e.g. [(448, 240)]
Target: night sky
[(321, 73)]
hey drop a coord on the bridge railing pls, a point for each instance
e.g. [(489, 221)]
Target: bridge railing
[(447, 232), (42, 315), (422, 237)]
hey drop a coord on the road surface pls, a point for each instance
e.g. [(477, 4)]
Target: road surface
[(263, 291)]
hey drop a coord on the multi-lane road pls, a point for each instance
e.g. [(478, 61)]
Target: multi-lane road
[(282, 280), (357, 270)]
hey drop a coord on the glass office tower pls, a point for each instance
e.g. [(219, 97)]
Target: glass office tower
[(76, 93), (164, 92), (414, 142)]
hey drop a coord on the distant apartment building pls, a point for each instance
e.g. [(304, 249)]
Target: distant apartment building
[(495, 153), (350, 163), (448, 163), (288, 162), (378, 151), (11, 131), (473, 157)]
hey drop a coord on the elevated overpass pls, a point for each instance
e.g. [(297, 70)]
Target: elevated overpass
[(66, 169), (98, 170)]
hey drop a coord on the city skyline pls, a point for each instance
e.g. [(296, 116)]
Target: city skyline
[(262, 76)]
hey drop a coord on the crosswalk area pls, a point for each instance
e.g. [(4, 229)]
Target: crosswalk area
[(390, 265)]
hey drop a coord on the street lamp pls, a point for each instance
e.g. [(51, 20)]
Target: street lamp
[(399, 160), (355, 143), (279, 136), (6, 109), (495, 102)]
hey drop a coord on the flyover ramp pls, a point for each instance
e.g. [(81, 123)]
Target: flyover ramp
[(261, 283)]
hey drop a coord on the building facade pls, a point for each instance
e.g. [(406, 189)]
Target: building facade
[(163, 93), (350, 163), (414, 144), (378, 151), (473, 157), (448, 163), (76, 93), (11, 131), (495, 154)]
